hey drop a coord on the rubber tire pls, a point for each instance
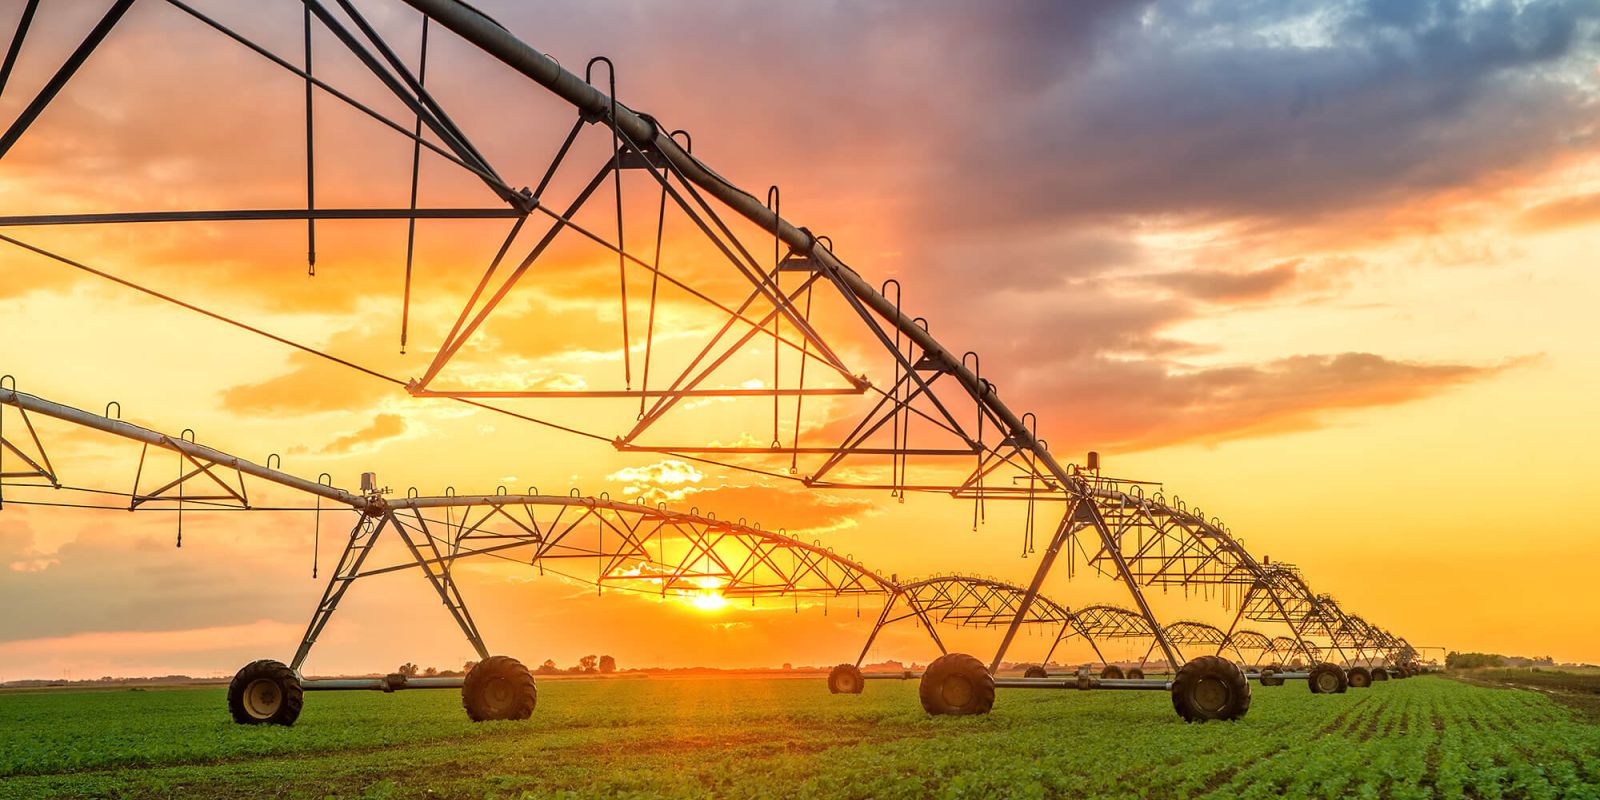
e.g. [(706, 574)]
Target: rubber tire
[(1135, 674), (1035, 671), (1112, 671), (474, 689), (1326, 668), (845, 679), (956, 667), (1271, 675), (1209, 671), (288, 685), (1379, 674), (1358, 677)]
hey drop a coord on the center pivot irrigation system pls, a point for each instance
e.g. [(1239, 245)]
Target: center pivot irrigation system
[(631, 547), (861, 395)]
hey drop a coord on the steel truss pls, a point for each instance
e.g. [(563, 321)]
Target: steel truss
[(962, 601), (969, 443), (631, 547)]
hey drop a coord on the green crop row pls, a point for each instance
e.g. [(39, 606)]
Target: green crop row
[(1422, 738)]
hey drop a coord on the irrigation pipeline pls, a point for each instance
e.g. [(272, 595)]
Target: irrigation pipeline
[(1094, 504)]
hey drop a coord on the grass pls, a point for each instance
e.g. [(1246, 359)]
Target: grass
[(753, 737)]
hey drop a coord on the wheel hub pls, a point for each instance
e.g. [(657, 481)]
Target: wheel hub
[(1211, 694), (956, 691), (1327, 682), (262, 698), (499, 694)]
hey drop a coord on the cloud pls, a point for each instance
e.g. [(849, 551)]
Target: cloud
[(311, 385), (122, 573), (113, 645), (793, 508), (1566, 212), (798, 510), (1286, 111), (662, 482), (1218, 285), (1141, 404), (384, 426)]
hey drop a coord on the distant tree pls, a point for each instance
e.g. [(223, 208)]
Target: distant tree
[(408, 669), (787, 665), (430, 672), (1454, 660), (467, 667), (587, 663), (549, 667), (608, 665)]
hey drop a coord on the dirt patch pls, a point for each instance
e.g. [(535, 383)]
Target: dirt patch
[(1579, 692)]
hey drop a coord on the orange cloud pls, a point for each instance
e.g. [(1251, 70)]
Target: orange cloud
[(1218, 285), (312, 385), (384, 426), (1141, 405), (1567, 212), (795, 509)]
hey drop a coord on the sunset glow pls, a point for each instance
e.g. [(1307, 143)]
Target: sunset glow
[(709, 598), (1286, 268)]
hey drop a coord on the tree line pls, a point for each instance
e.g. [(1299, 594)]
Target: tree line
[(603, 665), (1454, 660)]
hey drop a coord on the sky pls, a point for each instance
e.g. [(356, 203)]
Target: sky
[(1325, 269)]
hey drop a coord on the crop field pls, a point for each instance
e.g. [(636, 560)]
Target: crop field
[(758, 737)]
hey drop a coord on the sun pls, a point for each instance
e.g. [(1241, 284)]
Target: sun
[(708, 600), (708, 597)]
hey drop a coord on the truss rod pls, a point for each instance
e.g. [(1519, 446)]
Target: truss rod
[(116, 427), (16, 42), (64, 74), (262, 214)]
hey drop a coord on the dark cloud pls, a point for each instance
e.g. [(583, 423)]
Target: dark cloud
[(1291, 111), (1061, 113)]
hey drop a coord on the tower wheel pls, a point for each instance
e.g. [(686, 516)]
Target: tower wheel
[(956, 684), (845, 679), (1210, 688), (1358, 677), (265, 692), (499, 687), (1327, 678)]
